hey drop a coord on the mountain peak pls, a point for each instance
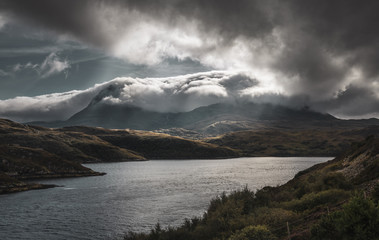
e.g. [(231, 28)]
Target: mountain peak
[(113, 90)]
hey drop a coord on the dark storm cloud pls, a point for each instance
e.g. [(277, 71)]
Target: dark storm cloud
[(71, 17), (352, 102), (346, 25), (248, 18), (338, 27), (312, 48), (239, 82), (80, 18), (314, 68), (345, 28)]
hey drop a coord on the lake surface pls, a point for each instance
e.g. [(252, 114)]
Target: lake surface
[(135, 196)]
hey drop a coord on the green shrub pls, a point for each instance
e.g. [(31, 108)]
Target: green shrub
[(311, 200), (258, 232), (273, 216), (264, 196), (359, 219), (375, 193), (321, 182), (336, 180)]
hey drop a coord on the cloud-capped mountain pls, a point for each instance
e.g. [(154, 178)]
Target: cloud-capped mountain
[(151, 103), (103, 113)]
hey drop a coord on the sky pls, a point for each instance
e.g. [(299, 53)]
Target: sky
[(176, 55)]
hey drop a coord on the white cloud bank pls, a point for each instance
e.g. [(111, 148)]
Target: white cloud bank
[(182, 93)]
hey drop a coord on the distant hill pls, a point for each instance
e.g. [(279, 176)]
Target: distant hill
[(294, 142), (29, 152), (152, 145)]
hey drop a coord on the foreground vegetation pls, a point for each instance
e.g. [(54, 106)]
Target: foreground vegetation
[(241, 216), (333, 200)]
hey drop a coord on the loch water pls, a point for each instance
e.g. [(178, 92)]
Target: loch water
[(134, 196)]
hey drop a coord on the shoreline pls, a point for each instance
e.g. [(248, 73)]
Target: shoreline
[(25, 187), (19, 184)]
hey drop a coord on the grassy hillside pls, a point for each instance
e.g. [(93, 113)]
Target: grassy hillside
[(294, 142), (72, 146), (333, 200), (156, 145)]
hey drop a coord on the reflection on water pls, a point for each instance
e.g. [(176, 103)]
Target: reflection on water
[(135, 195)]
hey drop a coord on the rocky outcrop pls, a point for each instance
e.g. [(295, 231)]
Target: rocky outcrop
[(361, 164)]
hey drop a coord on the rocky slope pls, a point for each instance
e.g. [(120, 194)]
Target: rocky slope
[(361, 164)]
